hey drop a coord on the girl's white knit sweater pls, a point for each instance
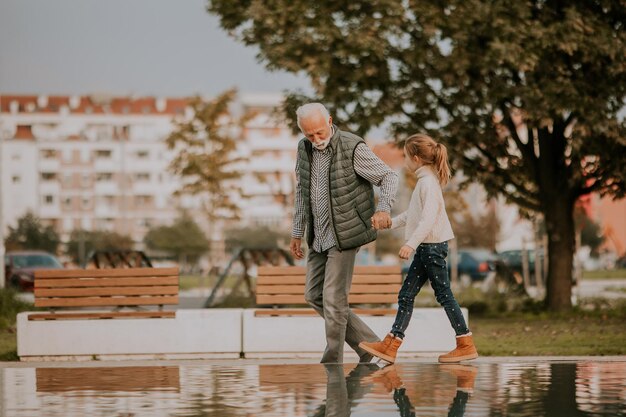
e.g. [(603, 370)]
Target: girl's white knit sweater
[(426, 219)]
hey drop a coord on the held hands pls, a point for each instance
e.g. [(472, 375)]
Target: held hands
[(405, 252), (296, 248), (381, 220)]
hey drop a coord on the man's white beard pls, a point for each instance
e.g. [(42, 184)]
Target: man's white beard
[(320, 146)]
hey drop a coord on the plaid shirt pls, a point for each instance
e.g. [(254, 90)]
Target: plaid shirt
[(366, 165)]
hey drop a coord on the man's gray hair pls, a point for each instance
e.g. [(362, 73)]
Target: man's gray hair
[(309, 109)]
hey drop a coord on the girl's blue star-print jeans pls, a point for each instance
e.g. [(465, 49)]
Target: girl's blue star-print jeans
[(429, 264)]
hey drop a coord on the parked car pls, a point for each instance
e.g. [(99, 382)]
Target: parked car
[(513, 259), (20, 267), (474, 264)]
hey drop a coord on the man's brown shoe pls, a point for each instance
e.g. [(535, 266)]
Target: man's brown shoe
[(464, 350), (386, 350)]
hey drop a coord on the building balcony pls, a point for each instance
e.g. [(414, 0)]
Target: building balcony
[(107, 165), (104, 211), (106, 188), (50, 211), (49, 165), (49, 187)]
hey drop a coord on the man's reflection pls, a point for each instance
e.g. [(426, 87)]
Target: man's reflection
[(342, 391)]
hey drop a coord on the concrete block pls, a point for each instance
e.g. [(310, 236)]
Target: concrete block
[(202, 333)]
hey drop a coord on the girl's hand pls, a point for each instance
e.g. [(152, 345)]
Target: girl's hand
[(405, 252)]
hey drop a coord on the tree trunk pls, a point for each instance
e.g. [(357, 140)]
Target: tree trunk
[(559, 218)]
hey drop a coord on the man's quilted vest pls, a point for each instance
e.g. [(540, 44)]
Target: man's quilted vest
[(351, 196)]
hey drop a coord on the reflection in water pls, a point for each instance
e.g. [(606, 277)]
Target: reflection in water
[(342, 392), (126, 379), (404, 389)]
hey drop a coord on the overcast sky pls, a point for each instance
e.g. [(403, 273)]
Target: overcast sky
[(145, 47)]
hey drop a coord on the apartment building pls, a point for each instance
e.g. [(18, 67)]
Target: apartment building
[(101, 163)]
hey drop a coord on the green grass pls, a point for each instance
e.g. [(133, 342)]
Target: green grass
[(188, 282), (508, 326), (9, 307), (543, 335), (8, 346), (605, 274)]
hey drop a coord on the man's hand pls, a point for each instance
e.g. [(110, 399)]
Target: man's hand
[(296, 248), (405, 252), (381, 220)]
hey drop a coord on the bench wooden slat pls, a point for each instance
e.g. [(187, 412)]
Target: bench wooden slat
[(105, 301), (299, 299), (86, 292), (105, 282), (102, 315), (280, 286), (95, 273), (355, 289), (301, 270), (311, 312), (356, 279)]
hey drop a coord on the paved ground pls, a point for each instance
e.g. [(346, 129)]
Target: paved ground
[(242, 362)]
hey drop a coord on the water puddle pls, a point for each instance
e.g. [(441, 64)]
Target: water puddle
[(585, 388)]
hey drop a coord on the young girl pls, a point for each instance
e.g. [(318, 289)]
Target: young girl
[(427, 233)]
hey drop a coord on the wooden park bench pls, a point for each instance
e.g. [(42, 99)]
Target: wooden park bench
[(84, 290), (373, 289)]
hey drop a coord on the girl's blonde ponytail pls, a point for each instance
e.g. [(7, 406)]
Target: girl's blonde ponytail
[(442, 167)]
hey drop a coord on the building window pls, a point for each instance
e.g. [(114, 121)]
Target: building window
[(48, 176), (142, 154), (86, 203), (67, 203), (104, 176), (48, 153), (143, 200), (142, 176), (16, 179), (144, 223), (67, 179), (48, 199), (103, 153)]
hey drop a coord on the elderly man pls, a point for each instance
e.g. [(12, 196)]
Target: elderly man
[(334, 202)]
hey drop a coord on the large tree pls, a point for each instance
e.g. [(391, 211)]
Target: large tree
[(205, 143), (31, 234), (526, 93), (183, 239), (83, 243)]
